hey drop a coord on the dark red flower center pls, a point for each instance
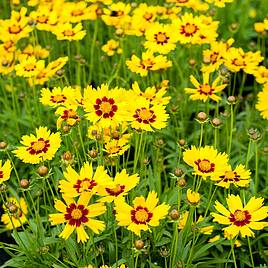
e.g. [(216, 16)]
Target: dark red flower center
[(1, 174), (141, 215), (205, 89), (145, 116), (189, 29), (59, 98), (84, 185), (230, 176), (161, 38), (105, 107), (14, 29), (39, 146), (117, 190), (205, 166), (76, 214), (240, 217)]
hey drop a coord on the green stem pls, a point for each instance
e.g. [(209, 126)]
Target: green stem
[(231, 130), (233, 253), (250, 252)]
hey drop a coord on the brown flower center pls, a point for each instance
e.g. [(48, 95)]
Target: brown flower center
[(76, 214), (238, 62), (68, 33), (147, 64), (161, 38), (42, 19), (117, 190), (141, 215), (205, 89), (189, 29), (29, 67), (145, 116), (230, 176), (240, 217), (59, 98), (147, 16), (14, 29), (77, 12), (205, 166), (105, 107), (1, 174), (84, 185)]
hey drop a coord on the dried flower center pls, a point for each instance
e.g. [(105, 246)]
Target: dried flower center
[(29, 67), (14, 29), (189, 29), (240, 217), (68, 33), (39, 146), (161, 38), (145, 116), (84, 185), (76, 214), (105, 107), (141, 215), (117, 190), (59, 98), (205, 165)]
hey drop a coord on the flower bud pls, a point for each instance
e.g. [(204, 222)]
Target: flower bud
[(3, 145), (139, 244), (24, 183), (178, 172), (201, 117), (216, 122), (42, 171), (231, 99), (174, 214), (193, 197), (181, 182), (93, 153), (182, 142)]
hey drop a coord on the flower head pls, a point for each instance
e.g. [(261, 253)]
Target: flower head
[(5, 171), (193, 197)]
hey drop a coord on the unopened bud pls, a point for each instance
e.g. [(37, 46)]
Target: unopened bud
[(216, 122), (139, 244), (201, 117), (93, 153), (178, 172), (3, 145), (182, 142), (24, 183), (42, 171), (231, 99), (174, 214), (181, 182)]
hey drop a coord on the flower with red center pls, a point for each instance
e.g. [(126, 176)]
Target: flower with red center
[(240, 176), (67, 96), (107, 107), (206, 161), (262, 103), (241, 219), (147, 116), (76, 184), (29, 66), (117, 147), (206, 90), (119, 186), (5, 171), (65, 31), (160, 38), (38, 148), (77, 216), (68, 116), (142, 215)]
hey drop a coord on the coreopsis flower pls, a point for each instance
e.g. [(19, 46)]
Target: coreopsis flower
[(207, 230), (111, 47), (105, 106), (219, 3), (193, 197), (142, 215), (148, 62), (38, 148), (16, 27), (241, 220), (86, 181), (116, 13), (66, 31), (261, 75), (206, 90), (35, 51), (160, 38), (152, 94), (259, 27), (213, 57), (262, 104), (15, 213), (67, 115), (5, 171), (56, 65), (29, 66), (194, 4), (59, 97), (206, 161), (239, 177), (144, 14), (77, 216), (145, 116), (192, 29), (119, 186), (7, 62), (117, 147)]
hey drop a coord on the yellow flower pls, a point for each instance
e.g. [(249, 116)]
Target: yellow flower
[(259, 27), (214, 239), (118, 187), (38, 148), (15, 213), (160, 38), (66, 31), (84, 182), (77, 216), (148, 62), (239, 177), (206, 161), (262, 104), (147, 117), (206, 90), (193, 197), (117, 147), (241, 220), (111, 47), (219, 3), (105, 106), (143, 214), (37, 51), (5, 171), (29, 66), (261, 74), (68, 116)]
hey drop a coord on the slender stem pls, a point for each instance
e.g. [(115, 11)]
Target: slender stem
[(116, 247), (136, 261), (201, 134), (256, 185), (250, 252), (231, 130), (233, 253)]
